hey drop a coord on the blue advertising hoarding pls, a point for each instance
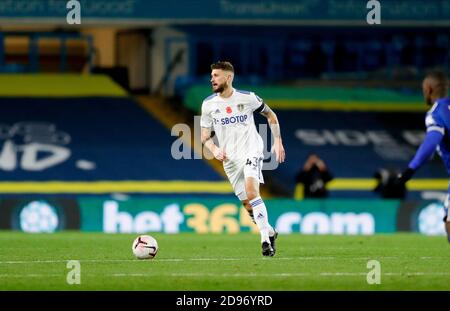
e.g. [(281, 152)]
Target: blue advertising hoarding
[(292, 11)]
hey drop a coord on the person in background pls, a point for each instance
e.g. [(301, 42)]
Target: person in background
[(312, 179)]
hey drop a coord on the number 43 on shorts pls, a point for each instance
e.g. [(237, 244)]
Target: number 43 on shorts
[(254, 163)]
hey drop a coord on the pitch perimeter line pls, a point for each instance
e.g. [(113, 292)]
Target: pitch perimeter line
[(207, 259), (278, 274), (296, 274)]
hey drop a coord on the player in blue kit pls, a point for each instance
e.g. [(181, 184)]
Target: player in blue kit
[(437, 121)]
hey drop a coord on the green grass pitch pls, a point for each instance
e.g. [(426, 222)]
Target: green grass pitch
[(223, 262)]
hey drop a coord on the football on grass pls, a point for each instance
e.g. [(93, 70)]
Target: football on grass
[(145, 247)]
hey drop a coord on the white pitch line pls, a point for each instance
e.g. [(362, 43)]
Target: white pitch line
[(265, 275), (19, 276), (11, 262), (207, 259), (211, 274), (63, 261), (417, 273), (325, 274)]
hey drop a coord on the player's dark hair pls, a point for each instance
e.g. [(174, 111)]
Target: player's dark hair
[(223, 65), (441, 79)]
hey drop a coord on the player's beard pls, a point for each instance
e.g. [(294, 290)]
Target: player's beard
[(222, 87), (429, 101)]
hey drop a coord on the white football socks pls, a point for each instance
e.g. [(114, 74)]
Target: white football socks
[(261, 219)]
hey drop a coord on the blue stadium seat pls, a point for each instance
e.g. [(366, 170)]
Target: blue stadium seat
[(122, 140), (373, 55)]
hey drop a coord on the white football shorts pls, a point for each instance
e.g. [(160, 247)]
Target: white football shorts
[(237, 171)]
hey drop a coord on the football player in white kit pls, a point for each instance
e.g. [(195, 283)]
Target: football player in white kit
[(229, 112)]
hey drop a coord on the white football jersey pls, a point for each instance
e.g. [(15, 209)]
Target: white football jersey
[(232, 120)]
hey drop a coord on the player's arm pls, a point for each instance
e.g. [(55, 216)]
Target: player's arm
[(208, 142), (424, 153), (206, 138), (276, 132), (206, 123)]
